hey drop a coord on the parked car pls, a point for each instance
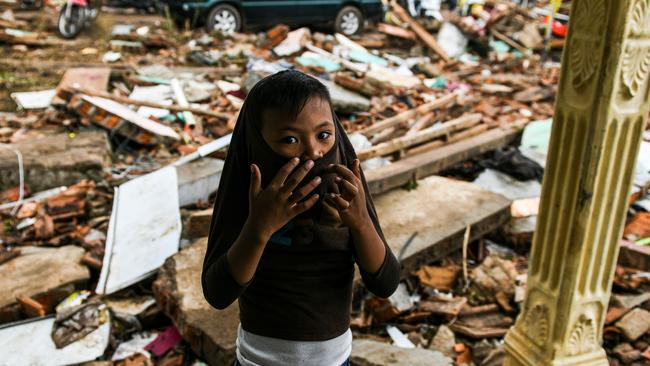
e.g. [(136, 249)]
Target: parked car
[(31, 4), (146, 5), (347, 16)]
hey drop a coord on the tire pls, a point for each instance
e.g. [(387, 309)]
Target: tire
[(70, 27), (349, 21), (224, 18)]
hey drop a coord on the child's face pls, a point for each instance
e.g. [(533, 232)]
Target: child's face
[(309, 137)]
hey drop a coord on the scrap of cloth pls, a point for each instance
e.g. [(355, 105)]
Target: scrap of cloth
[(302, 288)]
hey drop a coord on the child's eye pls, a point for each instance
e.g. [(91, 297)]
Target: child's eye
[(324, 135), (290, 140)]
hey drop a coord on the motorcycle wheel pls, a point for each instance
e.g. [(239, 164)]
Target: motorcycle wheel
[(70, 25)]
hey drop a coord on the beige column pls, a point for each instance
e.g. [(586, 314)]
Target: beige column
[(601, 108)]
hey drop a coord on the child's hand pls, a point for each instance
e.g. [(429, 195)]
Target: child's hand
[(271, 208), (351, 202)]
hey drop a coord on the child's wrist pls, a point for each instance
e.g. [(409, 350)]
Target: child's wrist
[(362, 224), (256, 233)]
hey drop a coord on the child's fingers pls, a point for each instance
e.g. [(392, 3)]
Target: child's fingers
[(296, 177), (284, 172), (304, 191), (343, 171), (305, 205), (348, 190), (357, 168), (256, 182), (339, 201)]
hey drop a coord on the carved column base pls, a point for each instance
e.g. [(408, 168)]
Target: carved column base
[(521, 351)]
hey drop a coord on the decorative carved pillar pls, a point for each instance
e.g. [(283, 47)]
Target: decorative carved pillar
[(600, 111)]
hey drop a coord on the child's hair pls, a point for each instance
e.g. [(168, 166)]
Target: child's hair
[(287, 91)]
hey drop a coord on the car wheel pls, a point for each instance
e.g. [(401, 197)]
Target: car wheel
[(349, 21), (224, 18)]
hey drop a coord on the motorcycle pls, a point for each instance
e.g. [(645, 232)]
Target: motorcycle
[(75, 15)]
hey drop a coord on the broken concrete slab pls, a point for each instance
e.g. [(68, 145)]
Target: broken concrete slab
[(345, 101), (366, 352), (501, 183), (519, 230), (198, 180), (439, 210), (143, 230), (55, 160), (444, 341), (635, 323), (91, 78), (30, 343), (47, 275), (630, 301), (626, 353), (211, 333), (34, 100)]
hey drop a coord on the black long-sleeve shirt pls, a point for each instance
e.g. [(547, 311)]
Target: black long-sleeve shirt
[(299, 292)]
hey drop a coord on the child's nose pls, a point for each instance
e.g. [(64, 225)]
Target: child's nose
[(311, 152)]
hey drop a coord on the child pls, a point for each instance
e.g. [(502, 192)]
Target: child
[(292, 216)]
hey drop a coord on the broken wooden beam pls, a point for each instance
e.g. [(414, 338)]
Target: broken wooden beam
[(419, 166), (396, 31), (430, 133), (127, 100), (425, 36), (411, 113), (476, 130)]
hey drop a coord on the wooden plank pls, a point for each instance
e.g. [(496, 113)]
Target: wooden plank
[(424, 35), (419, 166), (411, 113), (403, 142)]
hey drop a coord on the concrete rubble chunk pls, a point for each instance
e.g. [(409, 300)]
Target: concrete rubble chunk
[(439, 210), (198, 224), (211, 333), (626, 353), (635, 323), (39, 271), (345, 101), (197, 180), (366, 352), (55, 160), (444, 341), (630, 301), (30, 343)]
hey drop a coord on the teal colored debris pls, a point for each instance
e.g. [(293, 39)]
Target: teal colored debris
[(149, 79), (499, 47), (537, 135), (439, 82), (366, 58), (325, 64)]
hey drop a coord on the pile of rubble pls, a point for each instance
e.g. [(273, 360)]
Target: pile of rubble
[(102, 269)]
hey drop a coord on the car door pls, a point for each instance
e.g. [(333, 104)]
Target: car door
[(317, 11), (267, 12)]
